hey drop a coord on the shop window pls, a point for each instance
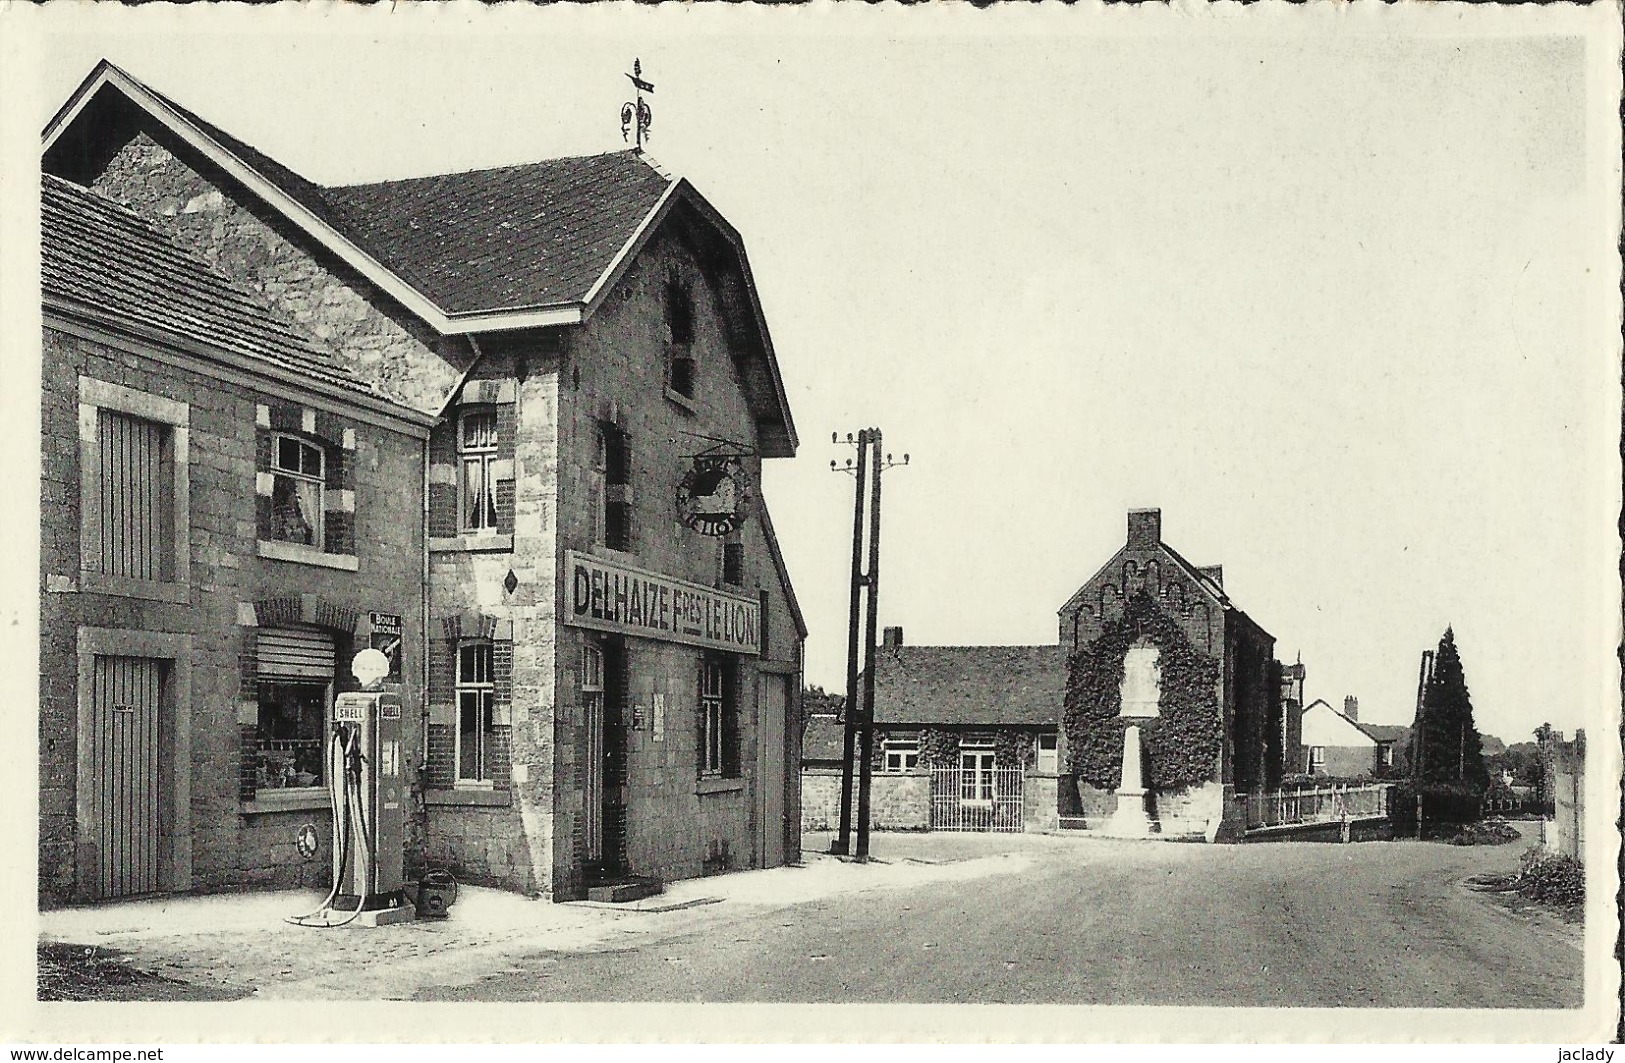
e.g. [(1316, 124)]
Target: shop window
[(296, 668), (976, 781), (298, 470), (476, 696), (1047, 763), (613, 470), (1142, 681), (719, 738), (476, 452), (292, 731), (900, 754)]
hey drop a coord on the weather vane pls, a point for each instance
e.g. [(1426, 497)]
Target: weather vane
[(636, 113)]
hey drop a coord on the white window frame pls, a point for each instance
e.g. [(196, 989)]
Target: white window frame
[(480, 691), (713, 707), (977, 783), (1053, 751), (900, 754), (1317, 760), (480, 454), (297, 476)]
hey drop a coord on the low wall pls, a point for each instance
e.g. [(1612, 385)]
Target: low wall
[(1039, 803), (1197, 810), (897, 800)]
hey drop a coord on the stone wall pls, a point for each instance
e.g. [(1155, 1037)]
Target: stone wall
[(897, 801), (236, 839), (169, 184), (1040, 803)]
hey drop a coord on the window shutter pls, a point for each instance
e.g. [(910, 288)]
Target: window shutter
[(501, 751), (440, 770), (443, 518), (507, 432), (730, 719)]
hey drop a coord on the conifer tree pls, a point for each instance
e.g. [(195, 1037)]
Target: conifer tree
[(1450, 747)]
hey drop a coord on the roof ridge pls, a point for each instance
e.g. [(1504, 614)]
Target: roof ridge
[(494, 169)]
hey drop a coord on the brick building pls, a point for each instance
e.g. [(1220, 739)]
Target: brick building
[(610, 651), (1155, 638), (225, 510)]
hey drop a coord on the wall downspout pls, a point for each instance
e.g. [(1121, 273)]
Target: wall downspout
[(423, 650)]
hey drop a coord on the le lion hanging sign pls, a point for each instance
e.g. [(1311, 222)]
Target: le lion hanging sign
[(713, 497)]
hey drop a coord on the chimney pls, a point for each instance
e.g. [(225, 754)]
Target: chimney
[(892, 637), (1351, 708), (1214, 573), (1144, 527)]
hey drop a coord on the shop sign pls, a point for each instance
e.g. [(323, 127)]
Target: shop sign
[(605, 596), (386, 639)]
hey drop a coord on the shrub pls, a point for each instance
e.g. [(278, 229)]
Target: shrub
[(1445, 807), (1552, 879)]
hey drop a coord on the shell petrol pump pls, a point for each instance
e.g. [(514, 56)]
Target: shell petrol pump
[(366, 788)]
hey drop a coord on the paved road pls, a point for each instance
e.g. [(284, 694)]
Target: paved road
[(1093, 922)]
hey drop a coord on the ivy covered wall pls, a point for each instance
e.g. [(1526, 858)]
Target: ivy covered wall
[(1183, 744)]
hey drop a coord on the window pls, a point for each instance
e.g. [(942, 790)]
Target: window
[(476, 451), (1386, 754), (901, 754), (295, 667), (976, 784), (1142, 681), (680, 326), (1048, 763), (613, 468), (718, 719), (712, 706), (733, 563), (298, 475), (1317, 760), (476, 691)]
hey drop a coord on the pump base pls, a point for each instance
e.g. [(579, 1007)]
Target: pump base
[(384, 917)]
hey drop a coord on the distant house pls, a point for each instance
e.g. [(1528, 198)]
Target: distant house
[(1337, 744), (976, 723)]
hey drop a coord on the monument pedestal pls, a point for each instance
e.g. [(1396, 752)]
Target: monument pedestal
[(1132, 819)]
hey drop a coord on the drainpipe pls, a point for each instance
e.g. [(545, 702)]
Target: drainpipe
[(423, 650)]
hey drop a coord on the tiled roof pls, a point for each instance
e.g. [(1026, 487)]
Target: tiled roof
[(538, 234), (102, 256), (532, 235), (1386, 732), (824, 740), (988, 685)]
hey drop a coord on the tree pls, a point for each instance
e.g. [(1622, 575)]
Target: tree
[(1444, 736), (816, 702)]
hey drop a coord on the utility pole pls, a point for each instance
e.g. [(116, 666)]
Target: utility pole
[(860, 715), (842, 844), (1416, 740)]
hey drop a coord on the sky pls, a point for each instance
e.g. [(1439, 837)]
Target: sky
[(1328, 298)]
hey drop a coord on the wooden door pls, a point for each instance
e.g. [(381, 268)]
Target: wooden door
[(126, 701)]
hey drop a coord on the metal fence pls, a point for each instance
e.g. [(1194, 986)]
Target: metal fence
[(1331, 805), (976, 799)]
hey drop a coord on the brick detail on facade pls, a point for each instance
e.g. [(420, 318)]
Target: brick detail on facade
[(248, 744), (442, 771)]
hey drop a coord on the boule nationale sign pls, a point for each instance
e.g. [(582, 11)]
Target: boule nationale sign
[(606, 596)]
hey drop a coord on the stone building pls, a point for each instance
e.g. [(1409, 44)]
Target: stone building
[(610, 654), (225, 511), (1339, 745), (1156, 644), (978, 720)]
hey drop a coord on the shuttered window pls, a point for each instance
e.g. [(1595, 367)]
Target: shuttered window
[(296, 670), (135, 499)]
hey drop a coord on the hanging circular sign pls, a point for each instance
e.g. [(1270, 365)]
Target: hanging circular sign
[(307, 841), (714, 497)]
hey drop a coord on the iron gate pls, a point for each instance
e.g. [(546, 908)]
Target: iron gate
[(126, 773), (976, 799)]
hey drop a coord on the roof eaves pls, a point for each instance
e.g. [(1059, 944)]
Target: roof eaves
[(783, 570)]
